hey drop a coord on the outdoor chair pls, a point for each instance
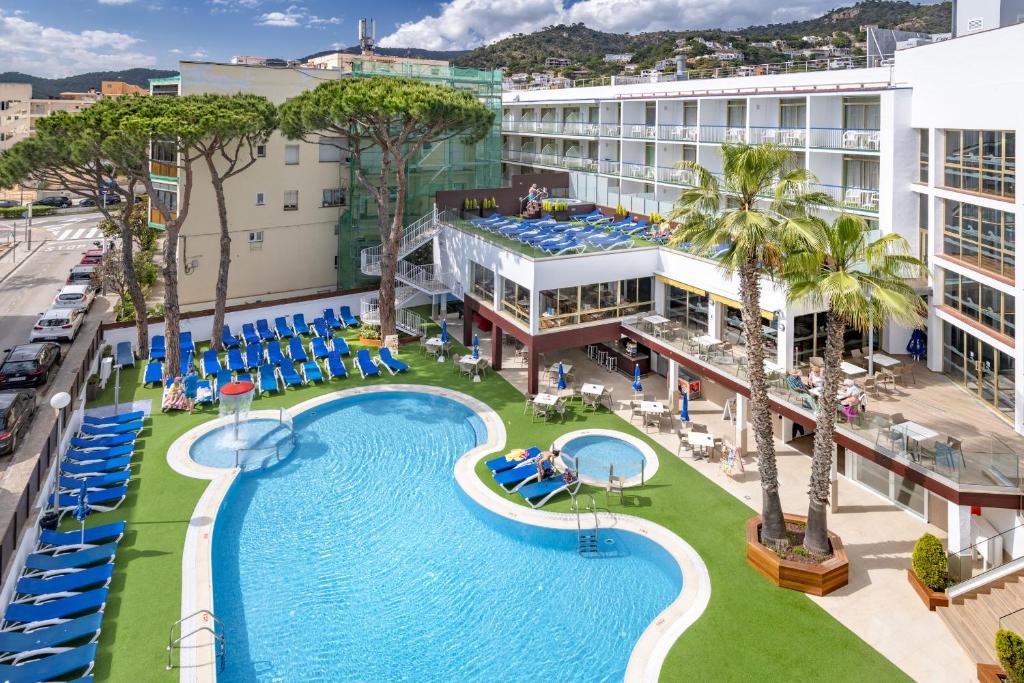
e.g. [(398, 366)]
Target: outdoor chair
[(590, 401), (884, 376), (870, 385), (742, 369), (528, 402), (456, 366), (606, 399), (634, 411), (560, 407), (724, 353), (540, 411), (891, 436)]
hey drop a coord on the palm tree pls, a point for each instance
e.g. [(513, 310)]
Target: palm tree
[(748, 220), (862, 282)]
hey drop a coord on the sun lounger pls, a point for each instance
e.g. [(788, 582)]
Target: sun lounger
[(41, 563), (335, 366), (95, 483), (283, 329), (228, 340), (296, 351), (124, 356), (348, 318), (157, 347), (154, 372), (299, 324), (289, 377), (91, 578), (102, 533), (253, 356), (274, 353), (268, 378), (263, 328), (477, 221), (250, 335), (102, 442), (331, 319), (187, 363), (540, 492), (366, 366), (235, 361), (513, 479), (505, 463), (321, 328), (311, 372), (114, 419), (52, 666), (392, 364), (47, 637), (341, 346), (103, 500), (97, 454), (186, 343), (111, 430), (224, 378), (204, 392), (98, 467), (60, 608), (318, 347), (211, 363)]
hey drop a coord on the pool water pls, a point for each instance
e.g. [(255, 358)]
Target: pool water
[(596, 453), (360, 559), (261, 442)]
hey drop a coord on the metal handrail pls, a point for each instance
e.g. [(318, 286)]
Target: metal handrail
[(1009, 614), (219, 637)]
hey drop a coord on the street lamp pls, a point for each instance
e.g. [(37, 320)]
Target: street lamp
[(58, 402)]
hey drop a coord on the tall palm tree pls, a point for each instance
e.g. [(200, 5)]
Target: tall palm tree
[(863, 282), (748, 220)]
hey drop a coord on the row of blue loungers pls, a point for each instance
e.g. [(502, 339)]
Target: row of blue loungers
[(51, 626), (517, 473), (593, 230)]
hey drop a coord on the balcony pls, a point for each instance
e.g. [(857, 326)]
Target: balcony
[(723, 134), (786, 137), (858, 139), (570, 128), (638, 171), (609, 166), (639, 131), (611, 130), (676, 176), (672, 132), (163, 169), (857, 198), (156, 219), (551, 160)]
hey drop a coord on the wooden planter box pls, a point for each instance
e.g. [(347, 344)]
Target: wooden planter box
[(380, 342), (930, 598), (815, 579), (991, 673)]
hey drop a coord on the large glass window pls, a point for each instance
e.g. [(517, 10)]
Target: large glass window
[(982, 237), (734, 330), (736, 113), (690, 113), (984, 371), (922, 150), (792, 112), (594, 302), (988, 306), (980, 161), (690, 308), (482, 280), (922, 227), (860, 172), (862, 113), (515, 300)]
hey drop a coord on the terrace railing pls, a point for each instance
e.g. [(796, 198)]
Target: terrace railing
[(415, 235), (859, 198), (678, 132), (856, 139), (639, 131), (786, 137), (982, 561)]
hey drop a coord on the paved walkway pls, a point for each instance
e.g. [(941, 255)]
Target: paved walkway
[(878, 604)]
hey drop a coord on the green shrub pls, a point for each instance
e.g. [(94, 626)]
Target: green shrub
[(16, 211), (368, 331), (930, 563), (1010, 649)]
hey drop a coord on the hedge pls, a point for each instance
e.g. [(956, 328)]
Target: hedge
[(1010, 649), (16, 211), (930, 563)]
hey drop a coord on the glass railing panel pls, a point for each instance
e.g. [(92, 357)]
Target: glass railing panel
[(861, 198), (611, 130), (678, 132), (786, 137), (676, 176), (986, 551), (639, 131), (860, 139), (639, 171)]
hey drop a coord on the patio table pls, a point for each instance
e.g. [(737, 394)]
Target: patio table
[(851, 370), (592, 389), (545, 399), (912, 431), (652, 407), (566, 368), (656, 319), (705, 342), (884, 361), (773, 368)]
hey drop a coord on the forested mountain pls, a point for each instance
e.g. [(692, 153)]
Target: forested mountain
[(43, 88)]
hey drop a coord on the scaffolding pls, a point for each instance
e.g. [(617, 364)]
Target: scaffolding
[(450, 165)]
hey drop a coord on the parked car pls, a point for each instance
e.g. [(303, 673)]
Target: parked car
[(91, 257), (29, 365), (74, 296), (58, 202), (8, 204), (108, 198), (17, 408), (57, 324), (82, 274)]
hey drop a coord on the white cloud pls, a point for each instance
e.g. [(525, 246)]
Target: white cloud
[(464, 24), (198, 53), (293, 17), (45, 51), (175, 51), (115, 2), (314, 20)]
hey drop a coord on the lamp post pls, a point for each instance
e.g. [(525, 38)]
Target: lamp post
[(117, 389), (58, 402)]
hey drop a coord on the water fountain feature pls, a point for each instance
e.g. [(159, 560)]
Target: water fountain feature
[(235, 401)]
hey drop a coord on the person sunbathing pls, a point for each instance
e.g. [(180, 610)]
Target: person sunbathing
[(174, 398)]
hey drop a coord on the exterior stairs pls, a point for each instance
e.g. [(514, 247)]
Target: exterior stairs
[(973, 618)]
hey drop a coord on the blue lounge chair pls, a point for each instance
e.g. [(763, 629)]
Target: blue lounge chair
[(540, 492), (154, 372), (224, 378), (366, 366), (52, 636), (98, 454), (289, 377), (53, 666), (296, 351), (98, 467), (61, 608), (253, 356), (348, 318), (103, 500), (103, 441), (187, 363), (249, 334), (274, 353), (283, 329), (228, 340), (392, 364), (513, 479), (43, 562), (157, 347), (341, 346), (505, 463), (311, 372), (103, 533), (335, 366), (321, 328), (114, 419), (211, 363), (186, 343), (111, 430), (268, 378), (204, 392), (263, 327), (235, 361), (93, 577), (97, 482), (299, 324), (331, 319), (492, 217), (318, 347), (125, 357)]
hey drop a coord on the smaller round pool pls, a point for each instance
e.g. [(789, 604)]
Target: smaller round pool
[(260, 443), (597, 453)]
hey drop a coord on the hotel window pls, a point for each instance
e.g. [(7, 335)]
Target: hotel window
[(515, 300), (981, 161), (595, 302), (291, 154), (650, 113), (559, 307), (334, 197), (291, 200), (988, 306), (690, 113), (256, 237), (922, 163), (860, 172), (259, 199), (734, 330), (861, 113), (810, 334), (689, 153), (261, 151), (793, 112), (649, 154), (736, 113), (690, 307), (482, 282), (922, 227), (331, 150), (983, 370), (983, 238)]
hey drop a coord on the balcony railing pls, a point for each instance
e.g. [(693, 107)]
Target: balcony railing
[(676, 176), (860, 198), (639, 131), (553, 160), (726, 134), (609, 166), (786, 137), (574, 128), (638, 171), (677, 132), (164, 170), (157, 218), (611, 130), (860, 139)]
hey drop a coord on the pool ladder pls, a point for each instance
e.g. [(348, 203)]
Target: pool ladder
[(211, 624), (587, 540)]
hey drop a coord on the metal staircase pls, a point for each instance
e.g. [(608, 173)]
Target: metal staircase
[(588, 543)]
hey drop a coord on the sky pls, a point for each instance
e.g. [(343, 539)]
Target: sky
[(55, 38)]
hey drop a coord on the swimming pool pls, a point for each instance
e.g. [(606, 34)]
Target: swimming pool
[(597, 452), (262, 442), (360, 558)]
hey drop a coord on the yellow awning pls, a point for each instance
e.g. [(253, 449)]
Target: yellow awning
[(736, 304), (680, 285)]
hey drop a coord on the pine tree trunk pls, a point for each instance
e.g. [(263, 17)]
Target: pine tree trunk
[(773, 525), (172, 327), (131, 279), (224, 264), (816, 534)]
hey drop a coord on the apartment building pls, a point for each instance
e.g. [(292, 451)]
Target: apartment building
[(14, 113)]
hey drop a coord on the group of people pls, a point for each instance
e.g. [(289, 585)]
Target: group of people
[(532, 202), (181, 393), (851, 397)]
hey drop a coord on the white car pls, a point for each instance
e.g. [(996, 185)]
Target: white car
[(57, 324), (74, 296)]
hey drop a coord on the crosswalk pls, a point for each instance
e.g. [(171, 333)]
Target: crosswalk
[(74, 234)]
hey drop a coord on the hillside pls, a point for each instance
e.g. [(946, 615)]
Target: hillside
[(905, 16), (43, 88)]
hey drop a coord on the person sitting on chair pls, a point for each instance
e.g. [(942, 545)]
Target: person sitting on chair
[(796, 384)]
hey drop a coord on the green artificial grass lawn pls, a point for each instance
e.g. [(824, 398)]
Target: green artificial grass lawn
[(750, 630)]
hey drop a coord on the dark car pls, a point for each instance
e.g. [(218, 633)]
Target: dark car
[(58, 202), (29, 365), (109, 198), (17, 408), (82, 274), (8, 204)]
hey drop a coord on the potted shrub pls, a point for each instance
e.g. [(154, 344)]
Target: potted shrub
[(929, 572), (561, 211), (620, 212), (92, 387), (1010, 650), (106, 351), (369, 335)]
